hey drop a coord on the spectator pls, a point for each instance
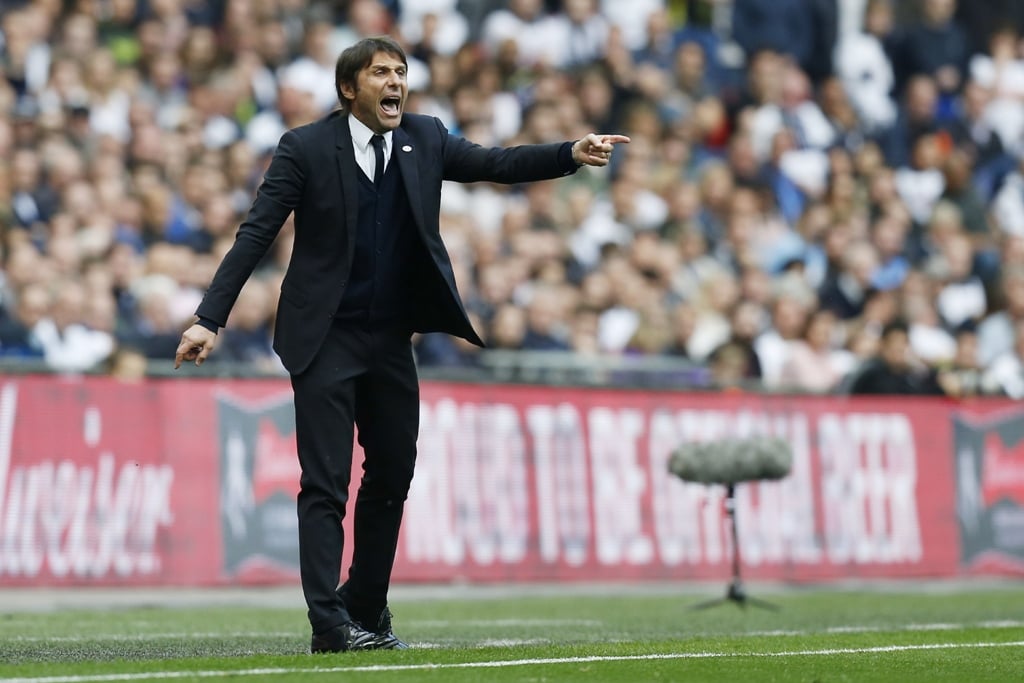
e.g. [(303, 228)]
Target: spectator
[(865, 68), (583, 335), (796, 111), (434, 26), (691, 79), (525, 33), (248, 336), (815, 362), (128, 365), (718, 295), (945, 223), (631, 18), (584, 32), (977, 133), (784, 26), (889, 238), (1005, 375), (921, 184), (684, 322), (845, 294), (442, 350), (996, 330), (981, 19), (747, 320), (32, 199), (916, 118), (962, 298), (730, 366), (848, 131), (508, 328), (881, 307), (824, 20), (964, 376), (716, 183), (152, 329), (928, 338), (1001, 69), (659, 44), (894, 370), (1008, 204), (68, 345), (961, 193), (936, 46), (17, 337), (789, 314)]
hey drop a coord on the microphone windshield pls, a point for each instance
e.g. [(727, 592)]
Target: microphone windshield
[(727, 461)]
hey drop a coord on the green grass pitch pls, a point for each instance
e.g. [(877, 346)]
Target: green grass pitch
[(904, 633)]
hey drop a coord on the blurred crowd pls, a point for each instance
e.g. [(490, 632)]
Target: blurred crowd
[(819, 195)]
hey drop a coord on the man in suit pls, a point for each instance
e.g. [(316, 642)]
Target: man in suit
[(368, 269)]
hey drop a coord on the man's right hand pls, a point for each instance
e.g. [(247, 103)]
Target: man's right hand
[(196, 344)]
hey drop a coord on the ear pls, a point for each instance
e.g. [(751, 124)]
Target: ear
[(348, 91)]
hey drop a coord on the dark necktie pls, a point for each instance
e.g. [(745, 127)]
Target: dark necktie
[(378, 150)]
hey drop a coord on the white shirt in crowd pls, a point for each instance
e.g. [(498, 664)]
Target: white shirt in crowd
[(451, 30), (1008, 205), (1005, 375), (75, 349), (536, 41), (920, 190), (867, 76)]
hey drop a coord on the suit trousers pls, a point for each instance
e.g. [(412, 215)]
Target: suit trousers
[(366, 380)]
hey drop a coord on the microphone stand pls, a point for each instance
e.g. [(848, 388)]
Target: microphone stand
[(735, 593)]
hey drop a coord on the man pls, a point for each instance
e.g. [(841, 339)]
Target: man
[(892, 371), (368, 268)]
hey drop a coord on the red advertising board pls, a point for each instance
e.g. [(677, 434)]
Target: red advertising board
[(541, 483), (192, 482)]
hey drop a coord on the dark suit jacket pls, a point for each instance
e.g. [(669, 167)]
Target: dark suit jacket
[(313, 173)]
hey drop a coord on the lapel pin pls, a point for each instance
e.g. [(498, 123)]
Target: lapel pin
[(406, 148)]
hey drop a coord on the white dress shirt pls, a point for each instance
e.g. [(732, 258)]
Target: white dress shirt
[(365, 157)]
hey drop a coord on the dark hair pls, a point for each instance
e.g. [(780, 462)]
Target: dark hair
[(899, 325), (356, 58)]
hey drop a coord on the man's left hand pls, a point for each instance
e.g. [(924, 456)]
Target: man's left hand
[(596, 150)]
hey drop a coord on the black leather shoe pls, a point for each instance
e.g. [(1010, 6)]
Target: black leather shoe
[(381, 626), (349, 636), (388, 639)]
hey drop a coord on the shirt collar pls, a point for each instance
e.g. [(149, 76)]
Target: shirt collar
[(361, 135)]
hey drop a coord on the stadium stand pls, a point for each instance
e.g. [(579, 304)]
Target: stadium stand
[(803, 175)]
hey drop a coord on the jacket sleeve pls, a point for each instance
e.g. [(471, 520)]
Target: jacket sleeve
[(276, 198), (468, 162)]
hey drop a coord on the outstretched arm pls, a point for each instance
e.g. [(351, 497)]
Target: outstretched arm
[(467, 162), (596, 150)]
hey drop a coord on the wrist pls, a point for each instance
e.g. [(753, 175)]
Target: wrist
[(576, 153), (208, 324)]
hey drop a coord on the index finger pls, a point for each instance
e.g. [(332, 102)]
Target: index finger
[(183, 348), (614, 139)]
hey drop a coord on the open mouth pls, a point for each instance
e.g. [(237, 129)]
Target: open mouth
[(391, 105)]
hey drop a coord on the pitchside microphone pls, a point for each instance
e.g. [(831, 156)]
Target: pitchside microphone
[(728, 461)]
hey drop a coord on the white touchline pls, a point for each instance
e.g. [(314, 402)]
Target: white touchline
[(166, 675), (491, 623), (437, 623), (136, 637)]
